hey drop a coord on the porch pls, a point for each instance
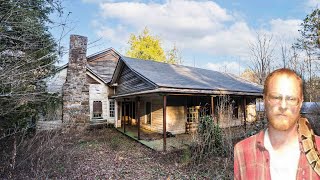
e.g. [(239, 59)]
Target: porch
[(159, 115), (154, 140)]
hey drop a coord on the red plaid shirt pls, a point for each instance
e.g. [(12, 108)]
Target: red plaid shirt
[(251, 160)]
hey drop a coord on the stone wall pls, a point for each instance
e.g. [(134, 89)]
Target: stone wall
[(76, 88)]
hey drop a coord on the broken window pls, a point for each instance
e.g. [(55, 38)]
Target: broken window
[(97, 109), (111, 108)]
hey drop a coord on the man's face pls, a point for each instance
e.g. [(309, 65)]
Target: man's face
[(283, 102)]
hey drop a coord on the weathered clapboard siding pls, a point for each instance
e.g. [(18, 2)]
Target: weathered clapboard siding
[(90, 80), (175, 116), (104, 64), (176, 122), (156, 113), (251, 112), (130, 82), (108, 54)]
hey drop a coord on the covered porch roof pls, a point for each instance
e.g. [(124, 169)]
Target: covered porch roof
[(176, 91)]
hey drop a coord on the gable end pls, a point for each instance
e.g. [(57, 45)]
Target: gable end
[(103, 64), (129, 82)]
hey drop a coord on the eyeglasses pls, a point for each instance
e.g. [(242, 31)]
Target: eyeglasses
[(277, 99)]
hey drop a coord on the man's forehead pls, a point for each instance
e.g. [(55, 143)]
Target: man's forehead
[(283, 82), (283, 77)]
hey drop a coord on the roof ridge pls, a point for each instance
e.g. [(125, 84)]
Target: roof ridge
[(102, 51), (179, 65)]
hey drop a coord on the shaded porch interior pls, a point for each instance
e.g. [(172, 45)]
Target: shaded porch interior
[(183, 110)]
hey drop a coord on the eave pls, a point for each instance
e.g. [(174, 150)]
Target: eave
[(176, 91)]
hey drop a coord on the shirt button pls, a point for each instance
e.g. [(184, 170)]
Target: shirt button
[(302, 172)]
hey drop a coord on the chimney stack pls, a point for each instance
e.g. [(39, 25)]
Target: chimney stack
[(76, 89)]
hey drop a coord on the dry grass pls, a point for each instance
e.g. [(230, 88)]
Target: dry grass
[(108, 154), (101, 154)]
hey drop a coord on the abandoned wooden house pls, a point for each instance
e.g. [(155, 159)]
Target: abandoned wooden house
[(155, 94), (160, 97)]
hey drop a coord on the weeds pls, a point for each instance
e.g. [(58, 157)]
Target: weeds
[(212, 149), (209, 140), (35, 155), (186, 156), (83, 144), (115, 143)]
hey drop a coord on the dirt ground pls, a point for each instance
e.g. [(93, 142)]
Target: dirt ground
[(101, 154)]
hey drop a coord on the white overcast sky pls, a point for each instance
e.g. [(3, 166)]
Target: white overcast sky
[(210, 34)]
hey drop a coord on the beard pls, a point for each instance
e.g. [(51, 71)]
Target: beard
[(282, 122)]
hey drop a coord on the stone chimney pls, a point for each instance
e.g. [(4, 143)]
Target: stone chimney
[(76, 89)]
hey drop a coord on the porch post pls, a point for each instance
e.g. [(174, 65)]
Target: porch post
[(138, 116), (115, 113), (120, 113), (132, 110), (129, 113), (164, 123), (245, 113), (212, 107), (124, 116), (186, 113)]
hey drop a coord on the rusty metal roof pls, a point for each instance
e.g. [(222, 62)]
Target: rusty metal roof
[(185, 77)]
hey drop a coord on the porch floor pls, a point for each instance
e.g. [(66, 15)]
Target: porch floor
[(154, 140)]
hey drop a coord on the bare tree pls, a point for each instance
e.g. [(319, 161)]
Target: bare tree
[(261, 52), (285, 54), (294, 62)]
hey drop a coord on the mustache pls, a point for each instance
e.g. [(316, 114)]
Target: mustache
[(281, 114)]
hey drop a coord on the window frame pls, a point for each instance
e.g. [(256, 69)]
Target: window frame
[(94, 114), (114, 109)]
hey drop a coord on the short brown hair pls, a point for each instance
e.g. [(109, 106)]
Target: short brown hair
[(282, 71)]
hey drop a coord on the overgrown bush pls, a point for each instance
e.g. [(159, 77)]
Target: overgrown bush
[(212, 150), (209, 140)]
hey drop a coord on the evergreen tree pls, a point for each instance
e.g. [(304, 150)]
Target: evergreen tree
[(310, 33), (309, 46), (27, 55)]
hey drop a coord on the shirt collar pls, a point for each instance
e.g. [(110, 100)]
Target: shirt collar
[(260, 141)]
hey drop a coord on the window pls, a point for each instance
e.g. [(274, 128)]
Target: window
[(148, 112), (111, 108), (193, 114), (97, 109)]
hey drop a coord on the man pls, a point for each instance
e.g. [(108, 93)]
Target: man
[(277, 152)]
